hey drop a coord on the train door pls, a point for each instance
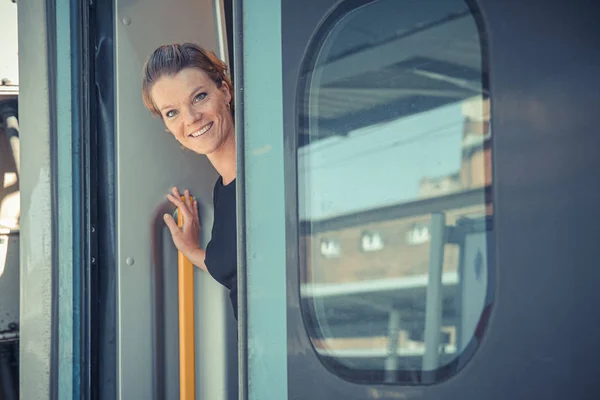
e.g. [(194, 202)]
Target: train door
[(149, 162), (99, 270), (417, 180)]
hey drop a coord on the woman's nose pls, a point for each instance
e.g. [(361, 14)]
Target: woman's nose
[(191, 116)]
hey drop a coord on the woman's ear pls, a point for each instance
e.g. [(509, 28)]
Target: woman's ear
[(226, 91)]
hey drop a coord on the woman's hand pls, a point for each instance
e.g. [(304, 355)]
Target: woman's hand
[(186, 238)]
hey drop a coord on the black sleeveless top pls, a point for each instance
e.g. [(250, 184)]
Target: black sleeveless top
[(221, 251)]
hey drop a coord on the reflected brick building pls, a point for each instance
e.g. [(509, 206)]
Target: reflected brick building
[(383, 244), (395, 247)]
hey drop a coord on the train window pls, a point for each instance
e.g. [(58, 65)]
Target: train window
[(394, 190)]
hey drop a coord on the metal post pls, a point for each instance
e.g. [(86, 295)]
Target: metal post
[(391, 362), (433, 307)]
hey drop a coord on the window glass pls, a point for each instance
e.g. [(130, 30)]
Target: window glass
[(394, 189)]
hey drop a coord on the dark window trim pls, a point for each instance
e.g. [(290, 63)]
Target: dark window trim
[(102, 189)]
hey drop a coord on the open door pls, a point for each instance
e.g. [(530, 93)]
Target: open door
[(149, 162)]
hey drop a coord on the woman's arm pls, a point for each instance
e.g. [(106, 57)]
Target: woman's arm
[(197, 258), (187, 237)]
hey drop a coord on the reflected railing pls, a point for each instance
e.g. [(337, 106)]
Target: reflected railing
[(417, 322)]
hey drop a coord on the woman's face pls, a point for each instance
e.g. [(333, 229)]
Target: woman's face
[(194, 109)]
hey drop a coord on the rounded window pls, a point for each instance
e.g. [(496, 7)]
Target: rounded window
[(394, 190)]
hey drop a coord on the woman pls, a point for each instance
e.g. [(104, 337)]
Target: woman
[(189, 89)]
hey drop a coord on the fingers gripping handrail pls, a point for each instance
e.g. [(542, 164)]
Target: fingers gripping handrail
[(187, 383)]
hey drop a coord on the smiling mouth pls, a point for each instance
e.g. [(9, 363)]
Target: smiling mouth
[(202, 131)]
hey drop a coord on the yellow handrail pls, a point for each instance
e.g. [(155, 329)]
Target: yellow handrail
[(187, 377)]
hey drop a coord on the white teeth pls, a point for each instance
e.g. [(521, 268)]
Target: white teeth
[(202, 131)]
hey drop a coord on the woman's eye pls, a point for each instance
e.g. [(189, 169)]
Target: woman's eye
[(170, 114), (199, 97)]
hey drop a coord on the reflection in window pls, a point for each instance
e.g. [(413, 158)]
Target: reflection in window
[(394, 153), (371, 241), (330, 248), (418, 234)]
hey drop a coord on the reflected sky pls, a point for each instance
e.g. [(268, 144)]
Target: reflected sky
[(379, 165)]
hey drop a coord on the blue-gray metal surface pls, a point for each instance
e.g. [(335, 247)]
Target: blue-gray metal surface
[(541, 339), (37, 209), (265, 235), (433, 304), (68, 190)]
